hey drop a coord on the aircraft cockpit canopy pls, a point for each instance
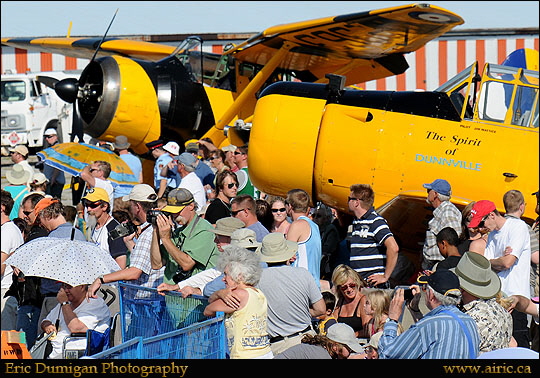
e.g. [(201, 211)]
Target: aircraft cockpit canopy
[(503, 94)]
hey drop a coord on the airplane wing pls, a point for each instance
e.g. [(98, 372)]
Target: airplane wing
[(349, 44), (84, 48), (364, 46)]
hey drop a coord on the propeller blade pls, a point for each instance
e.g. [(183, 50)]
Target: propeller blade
[(47, 80), (76, 125), (104, 35)]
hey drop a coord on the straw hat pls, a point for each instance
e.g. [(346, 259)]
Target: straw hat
[(476, 277), (275, 248), (17, 175)]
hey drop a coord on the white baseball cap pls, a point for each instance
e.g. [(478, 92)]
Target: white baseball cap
[(172, 147), (50, 131), (141, 193)]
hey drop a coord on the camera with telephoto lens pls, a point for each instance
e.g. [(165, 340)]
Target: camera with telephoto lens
[(123, 229)]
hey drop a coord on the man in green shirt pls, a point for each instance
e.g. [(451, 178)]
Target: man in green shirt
[(184, 244)]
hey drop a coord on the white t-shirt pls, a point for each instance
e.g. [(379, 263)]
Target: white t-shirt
[(193, 183), (107, 185), (94, 314), (515, 234), (11, 239)]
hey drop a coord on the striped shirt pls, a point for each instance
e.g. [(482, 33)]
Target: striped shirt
[(368, 253), (436, 336), (446, 215)]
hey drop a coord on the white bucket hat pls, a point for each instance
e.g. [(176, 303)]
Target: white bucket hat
[(17, 175)]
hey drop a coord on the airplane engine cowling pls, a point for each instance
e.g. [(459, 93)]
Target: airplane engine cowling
[(150, 99), (118, 95)]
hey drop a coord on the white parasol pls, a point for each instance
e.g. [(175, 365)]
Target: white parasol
[(73, 262)]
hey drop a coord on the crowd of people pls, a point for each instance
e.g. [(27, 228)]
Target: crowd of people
[(295, 281)]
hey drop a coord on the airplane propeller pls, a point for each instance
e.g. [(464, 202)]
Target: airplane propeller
[(70, 90)]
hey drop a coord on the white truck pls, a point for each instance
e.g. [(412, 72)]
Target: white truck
[(29, 108)]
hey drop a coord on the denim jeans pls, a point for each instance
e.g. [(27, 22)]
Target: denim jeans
[(9, 312), (27, 321)]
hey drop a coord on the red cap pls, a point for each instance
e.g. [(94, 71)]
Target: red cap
[(42, 204), (479, 211)]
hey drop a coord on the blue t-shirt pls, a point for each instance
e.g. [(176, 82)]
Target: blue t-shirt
[(161, 162), (17, 193), (134, 163)]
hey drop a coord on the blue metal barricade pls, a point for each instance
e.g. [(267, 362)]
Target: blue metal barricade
[(145, 313), (166, 327), (203, 340)]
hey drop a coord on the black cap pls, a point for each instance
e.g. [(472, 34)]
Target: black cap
[(155, 144), (443, 281)]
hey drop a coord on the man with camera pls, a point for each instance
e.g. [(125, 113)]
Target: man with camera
[(96, 202), (182, 242), (142, 199)]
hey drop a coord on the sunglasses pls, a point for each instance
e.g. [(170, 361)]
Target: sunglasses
[(49, 136), (345, 287), (213, 157), (238, 153), (92, 205), (352, 199), (93, 169), (232, 185), (279, 210), (27, 213), (235, 212)]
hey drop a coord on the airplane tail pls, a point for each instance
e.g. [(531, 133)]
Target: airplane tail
[(522, 58)]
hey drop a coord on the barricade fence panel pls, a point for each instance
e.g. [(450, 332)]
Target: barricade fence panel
[(204, 340), (146, 313), (166, 327)]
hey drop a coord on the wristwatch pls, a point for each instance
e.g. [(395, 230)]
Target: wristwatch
[(65, 303), (101, 279), (391, 320)]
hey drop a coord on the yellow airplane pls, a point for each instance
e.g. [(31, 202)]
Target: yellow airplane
[(479, 131), (148, 91)]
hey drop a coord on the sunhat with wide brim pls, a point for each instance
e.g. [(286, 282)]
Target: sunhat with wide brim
[(476, 277), (17, 175), (245, 238), (275, 248), (226, 226)]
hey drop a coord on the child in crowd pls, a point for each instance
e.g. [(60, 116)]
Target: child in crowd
[(326, 320)]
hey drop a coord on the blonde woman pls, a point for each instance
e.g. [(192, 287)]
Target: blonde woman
[(377, 305), (350, 306)]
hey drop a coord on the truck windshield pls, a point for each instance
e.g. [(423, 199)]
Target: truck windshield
[(13, 90)]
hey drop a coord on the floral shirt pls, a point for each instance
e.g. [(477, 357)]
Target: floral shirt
[(493, 321)]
